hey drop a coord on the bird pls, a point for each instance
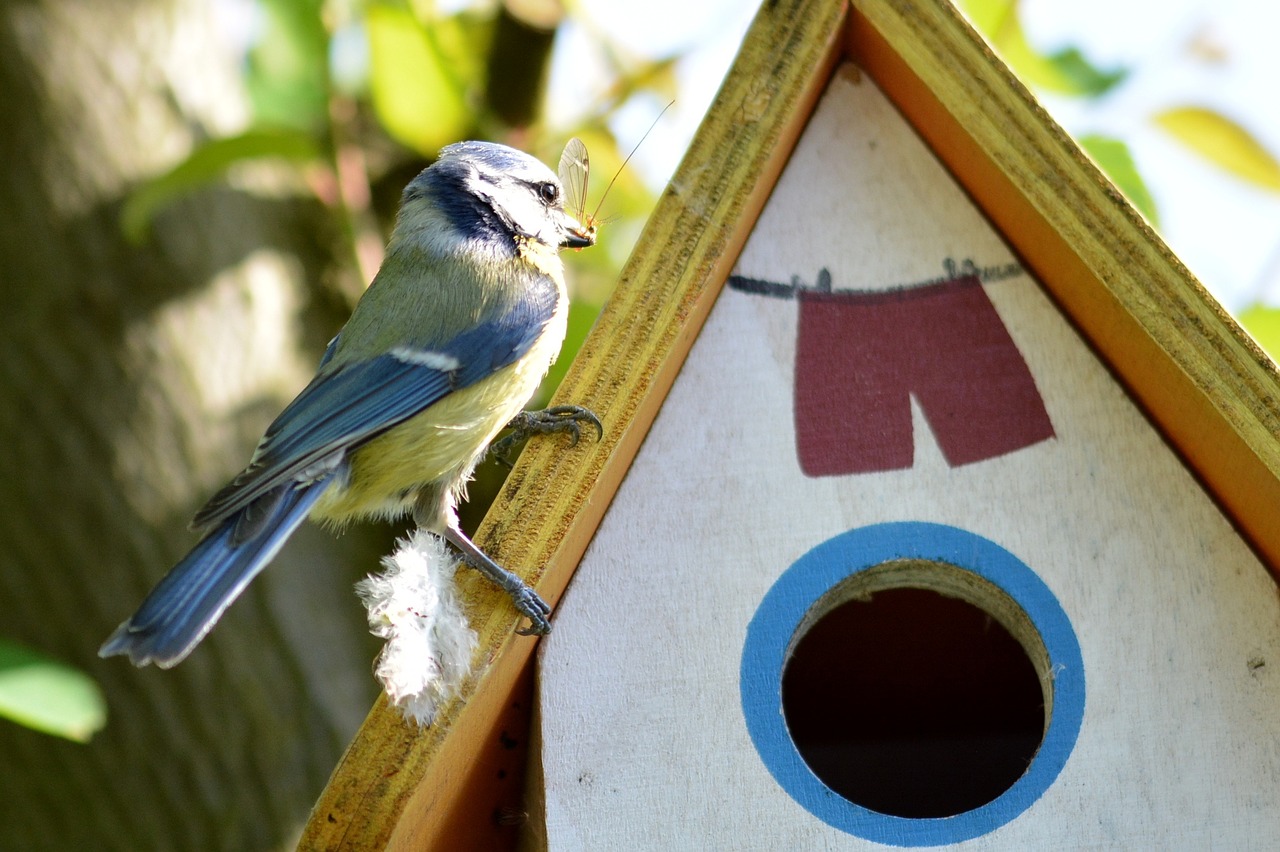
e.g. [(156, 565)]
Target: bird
[(442, 352)]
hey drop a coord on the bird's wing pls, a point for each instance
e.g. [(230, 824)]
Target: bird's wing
[(345, 406)]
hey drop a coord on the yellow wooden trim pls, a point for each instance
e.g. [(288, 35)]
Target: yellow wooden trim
[(1207, 385), (1204, 382), (404, 788)]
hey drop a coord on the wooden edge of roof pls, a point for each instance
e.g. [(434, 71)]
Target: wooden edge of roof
[(1210, 389), (1204, 382), (402, 787)]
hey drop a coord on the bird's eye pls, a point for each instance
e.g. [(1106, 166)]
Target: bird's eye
[(549, 192)]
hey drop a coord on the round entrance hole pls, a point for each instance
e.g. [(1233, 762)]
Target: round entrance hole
[(912, 577), (910, 690)]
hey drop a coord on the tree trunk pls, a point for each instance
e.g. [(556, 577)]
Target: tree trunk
[(133, 381)]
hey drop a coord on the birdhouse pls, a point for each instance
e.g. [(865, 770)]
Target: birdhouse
[(937, 503)]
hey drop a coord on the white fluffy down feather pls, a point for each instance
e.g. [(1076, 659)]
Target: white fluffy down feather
[(414, 605)]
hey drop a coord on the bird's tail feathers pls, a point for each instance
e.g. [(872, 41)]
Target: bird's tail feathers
[(185, 605)]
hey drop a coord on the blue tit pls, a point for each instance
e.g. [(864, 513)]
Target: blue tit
[(452, 338)]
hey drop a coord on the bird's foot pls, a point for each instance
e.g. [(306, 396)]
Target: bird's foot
[(526, 601), (557, 418), (531, 605)]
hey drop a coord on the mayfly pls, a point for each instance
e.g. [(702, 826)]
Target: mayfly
[(575, 172)]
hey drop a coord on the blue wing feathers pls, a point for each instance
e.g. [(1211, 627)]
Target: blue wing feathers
[(346, 406), (455, 324), (191, 597), (251, 518), (336, 412)]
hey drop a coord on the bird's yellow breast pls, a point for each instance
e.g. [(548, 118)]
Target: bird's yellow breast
[(441, 445)]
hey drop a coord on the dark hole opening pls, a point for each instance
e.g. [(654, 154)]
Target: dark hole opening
[(913, 704)]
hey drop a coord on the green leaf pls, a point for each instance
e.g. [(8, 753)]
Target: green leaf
[(287, 71), (1264, 324), (416, 94), (1113, 157), (1082, 76), (207, 164), (48, 696), (1066, 71), (1222, 142)]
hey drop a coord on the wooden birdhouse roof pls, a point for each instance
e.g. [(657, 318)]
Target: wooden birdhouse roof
[(1204, 384)]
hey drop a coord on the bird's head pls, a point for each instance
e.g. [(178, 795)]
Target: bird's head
[(495, 195)]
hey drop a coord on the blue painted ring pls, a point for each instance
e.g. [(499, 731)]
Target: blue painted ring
[(783, 610)]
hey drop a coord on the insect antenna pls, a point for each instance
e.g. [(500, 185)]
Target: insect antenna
[(575, 173)]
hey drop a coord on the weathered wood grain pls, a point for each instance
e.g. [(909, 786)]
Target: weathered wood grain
[(653, 686), (1212, 391), (405, 788), (1201, 379)]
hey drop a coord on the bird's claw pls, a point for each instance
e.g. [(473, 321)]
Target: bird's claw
[(557, 418), (523, 597), (534, 608)]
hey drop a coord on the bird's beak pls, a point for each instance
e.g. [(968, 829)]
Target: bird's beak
[(576, 236)]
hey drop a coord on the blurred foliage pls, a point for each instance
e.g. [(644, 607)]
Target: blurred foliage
[(1066, 71), (1264, 324), (420, 76), (1115, 160), (206, 164), (286, 70), (48, 696), (1222, 142), (1215, 137)]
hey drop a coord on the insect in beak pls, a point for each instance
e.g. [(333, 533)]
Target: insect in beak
[(576, 236), (575, 172)]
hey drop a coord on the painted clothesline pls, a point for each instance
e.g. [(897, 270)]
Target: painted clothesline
[(861, 356), (952, 269)]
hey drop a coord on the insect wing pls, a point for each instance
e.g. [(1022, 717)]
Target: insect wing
[(575, 170)]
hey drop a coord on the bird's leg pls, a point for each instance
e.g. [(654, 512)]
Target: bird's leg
[(524, 598), (557, 418), (433, 510)]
